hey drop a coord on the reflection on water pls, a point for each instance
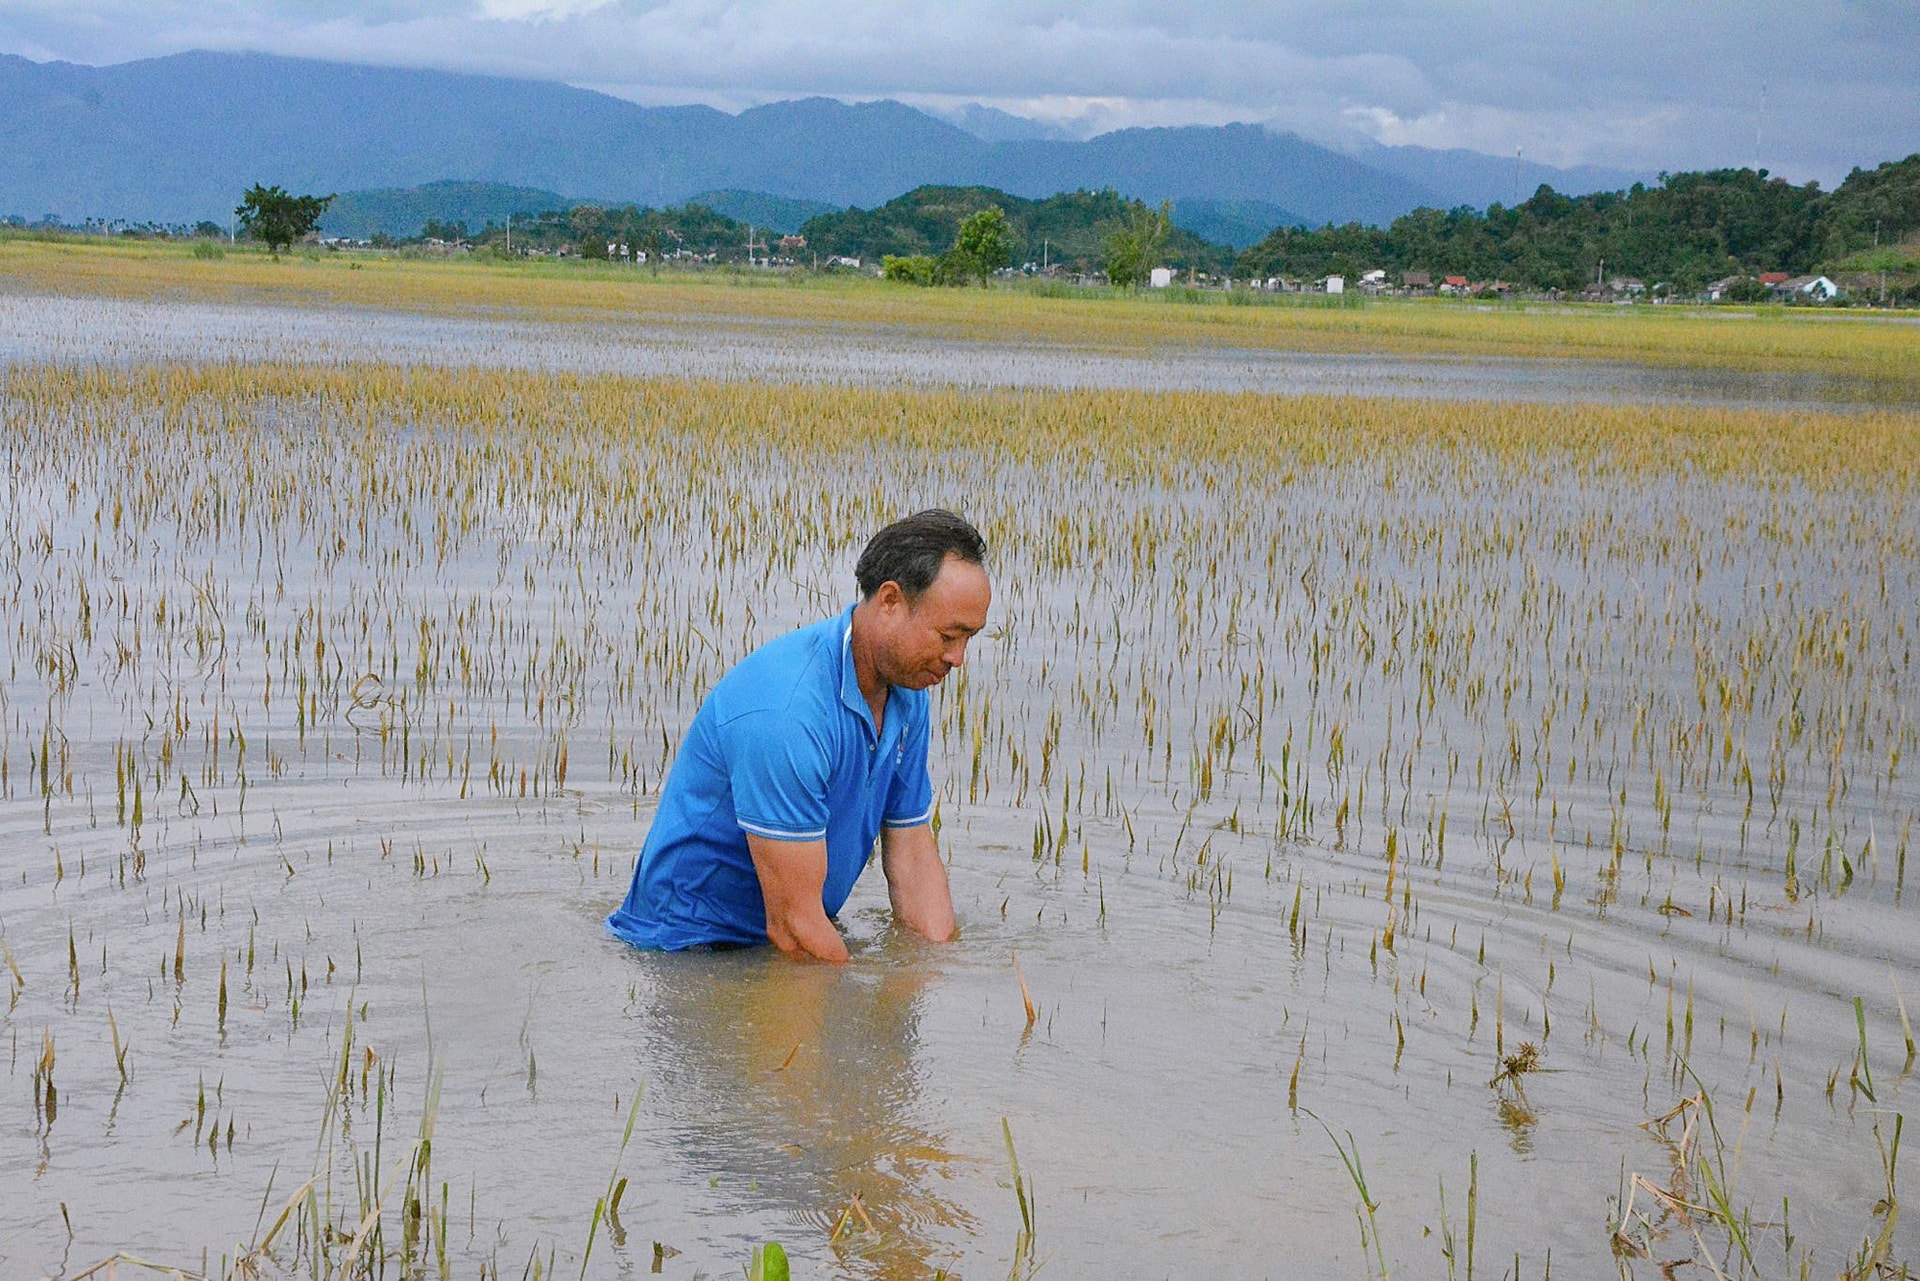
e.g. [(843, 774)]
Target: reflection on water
[(801, 1082), (36, 329), (1519, 1118), (1327, 787)]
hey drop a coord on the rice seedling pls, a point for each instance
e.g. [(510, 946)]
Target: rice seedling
[(1369, 1226), (607, 1207), (325, 683), (1848, 348), (769, 1263), (1026, 997), (1024, 1262)]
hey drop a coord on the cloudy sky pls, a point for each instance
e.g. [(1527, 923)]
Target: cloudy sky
[(1808, 88)]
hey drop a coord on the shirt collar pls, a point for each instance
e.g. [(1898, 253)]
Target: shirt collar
[(850, 694)]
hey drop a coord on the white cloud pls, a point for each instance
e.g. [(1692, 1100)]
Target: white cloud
[(537, 10), (1554, 138)]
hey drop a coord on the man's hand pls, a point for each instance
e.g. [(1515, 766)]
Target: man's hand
[(917, 881), (792, 874)]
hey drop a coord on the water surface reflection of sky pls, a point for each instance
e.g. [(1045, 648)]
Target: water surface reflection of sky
[(37, 328)]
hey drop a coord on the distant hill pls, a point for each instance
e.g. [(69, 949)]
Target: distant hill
[(401, 212), (990, 124), (1068, 229), (1478, 180), (1691, 229), (177, 139), (1225, 162), (782, 214), (180, 138), (1237, 223)]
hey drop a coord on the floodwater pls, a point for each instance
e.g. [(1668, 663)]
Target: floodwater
[(43, 328), (1297, 804)]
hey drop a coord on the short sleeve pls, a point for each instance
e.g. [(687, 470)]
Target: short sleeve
[(779, 775), (910, 798)]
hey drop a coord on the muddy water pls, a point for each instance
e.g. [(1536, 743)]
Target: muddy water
[(40, 328), (1296, 816)]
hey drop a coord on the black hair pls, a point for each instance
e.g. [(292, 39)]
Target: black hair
[(910, 552)]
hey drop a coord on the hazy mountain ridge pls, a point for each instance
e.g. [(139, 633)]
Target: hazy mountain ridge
[(401, 212), (990, 124), (177, 139), (1473, 178), (1237, 224)]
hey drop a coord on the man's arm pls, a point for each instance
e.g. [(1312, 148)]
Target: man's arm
[(917, 881), (792, 874)]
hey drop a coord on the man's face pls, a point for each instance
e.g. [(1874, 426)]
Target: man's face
[(927, 638)]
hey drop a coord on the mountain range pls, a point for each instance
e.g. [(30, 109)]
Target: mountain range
[(403, 212), (177, 139)]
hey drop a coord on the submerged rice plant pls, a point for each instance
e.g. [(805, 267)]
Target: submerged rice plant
[(1369, 742)]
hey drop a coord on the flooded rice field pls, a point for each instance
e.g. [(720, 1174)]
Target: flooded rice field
[(35, 328), (1390, 836)]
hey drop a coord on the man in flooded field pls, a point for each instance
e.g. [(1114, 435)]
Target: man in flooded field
[(805, 753)]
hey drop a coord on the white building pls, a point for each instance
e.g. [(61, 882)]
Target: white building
[(1817, 287), (1334, 284), (1160, 277)]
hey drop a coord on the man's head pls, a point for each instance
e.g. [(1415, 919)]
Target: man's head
[(923, 585)]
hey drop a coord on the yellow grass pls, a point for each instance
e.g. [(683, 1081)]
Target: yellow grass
[(1882, 354), (1124, 432)]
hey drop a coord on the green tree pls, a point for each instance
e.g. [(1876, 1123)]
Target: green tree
[(1873, 209), (912, 269), (1064, 230), (277, 219), (1747, 289), (984, 245), (590, 229), (1133, 247)]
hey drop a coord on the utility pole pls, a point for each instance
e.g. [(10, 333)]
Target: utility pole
[(509, 235)]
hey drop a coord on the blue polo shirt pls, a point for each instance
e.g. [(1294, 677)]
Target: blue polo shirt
[(783, 747)]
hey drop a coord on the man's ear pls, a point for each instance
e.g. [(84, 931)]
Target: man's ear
[(889, 596)]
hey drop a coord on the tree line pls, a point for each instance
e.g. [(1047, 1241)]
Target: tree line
[(1691, 229), (1078, 231)]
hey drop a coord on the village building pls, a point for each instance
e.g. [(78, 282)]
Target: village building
[(1616, 289), (1808, 289)]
